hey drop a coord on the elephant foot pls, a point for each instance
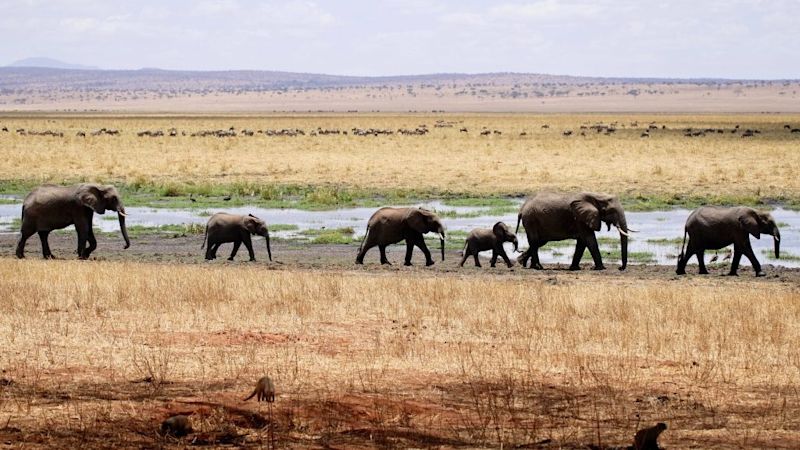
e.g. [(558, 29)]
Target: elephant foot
[(680, 272), (427, 263), (621, 268), (478, 265), (230, 258), (387, 263), (574, 268), (705, 272), (509, 265), (599, 268), (536, 267), (733, 274), (252, 260), (491, 265), (20, 256), (760, 273), (360, 261)]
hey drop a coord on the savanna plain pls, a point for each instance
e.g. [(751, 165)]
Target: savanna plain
[(99, 352)]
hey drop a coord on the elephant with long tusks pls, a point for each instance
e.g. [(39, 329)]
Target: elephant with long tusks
[(555, 217)]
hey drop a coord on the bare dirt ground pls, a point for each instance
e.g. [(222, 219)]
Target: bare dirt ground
[(297, 256), (108, 372)]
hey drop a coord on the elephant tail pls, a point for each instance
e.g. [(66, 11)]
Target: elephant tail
[(519, 219), (680, 257), (205, 236), (364, 239)]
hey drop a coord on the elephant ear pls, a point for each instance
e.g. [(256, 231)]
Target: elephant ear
[(415, 219), (586, 213), (500, 230), (92, 197), (750, 222), (251, 223)]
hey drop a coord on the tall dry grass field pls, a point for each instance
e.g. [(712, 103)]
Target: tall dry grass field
[(98, 353), (666, 163)]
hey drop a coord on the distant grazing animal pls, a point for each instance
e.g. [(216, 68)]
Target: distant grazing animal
[(567, 133), (787, 127), (483, 239), (712, 228), (177, 426), (391, 225), (545, 126), (485, 133), (222, 228), (264, 391), (463, 130), (795, 130), (647, 438)]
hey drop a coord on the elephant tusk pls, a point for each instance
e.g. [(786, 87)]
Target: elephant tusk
[(622, 232), (632, 231), (122, 214), (777, 238)]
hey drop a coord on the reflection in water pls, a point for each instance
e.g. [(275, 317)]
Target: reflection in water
[(657, 242)]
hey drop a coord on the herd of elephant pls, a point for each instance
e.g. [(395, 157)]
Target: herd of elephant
[(546, 217)]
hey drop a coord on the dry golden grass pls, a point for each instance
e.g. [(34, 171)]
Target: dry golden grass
[(393, 360), (767, 165)]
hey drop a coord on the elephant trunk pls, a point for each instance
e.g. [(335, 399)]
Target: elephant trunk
[(441, 240), (623, 242), (269, 250), (121, 215), (776, 236), (516, 244)]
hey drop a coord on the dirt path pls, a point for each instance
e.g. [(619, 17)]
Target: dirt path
[(294, 255)]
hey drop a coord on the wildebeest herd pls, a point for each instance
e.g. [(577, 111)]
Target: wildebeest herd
[(606, 129), (546, 217)]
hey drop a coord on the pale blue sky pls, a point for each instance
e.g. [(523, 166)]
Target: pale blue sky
[(683, 38)]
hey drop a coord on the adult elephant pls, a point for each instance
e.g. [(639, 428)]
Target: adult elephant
[(391, 225), (555, 217), (51, 207), (712, 228), (224, 227)]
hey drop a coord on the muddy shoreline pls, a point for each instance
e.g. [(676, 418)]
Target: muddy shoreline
[(298, 256)]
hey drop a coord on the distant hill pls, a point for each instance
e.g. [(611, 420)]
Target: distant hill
[(26, 87), (49, 62)]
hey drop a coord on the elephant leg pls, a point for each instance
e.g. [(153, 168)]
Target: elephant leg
[(211, 251), (533, 252), (83, 234), (420, 242), (45, 244), (523, 257), (580, 247), (701, 260), (236, 245), (502, 252), (92, 242), (23, 237), (249, 244), (684, 259), (409, 251), (364, 248), (493, 262), (594, 250), (737, 257), (475, 255), (748, 251), (465, 255), (382, 249)]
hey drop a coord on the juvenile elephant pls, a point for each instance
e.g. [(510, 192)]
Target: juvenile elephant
[(555, 217), (483, 239), (391, 225), (50, 207), (222, 228), (712, 227)]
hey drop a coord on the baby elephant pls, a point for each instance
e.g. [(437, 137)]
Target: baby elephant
[(482, 239), (223, 227)]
